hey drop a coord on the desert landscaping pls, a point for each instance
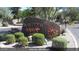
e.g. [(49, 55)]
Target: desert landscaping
[(27, 30)]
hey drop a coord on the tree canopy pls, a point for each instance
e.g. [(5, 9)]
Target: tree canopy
[(48, 13), (14, 11)]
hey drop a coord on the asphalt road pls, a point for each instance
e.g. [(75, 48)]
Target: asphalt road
[(75, 31)]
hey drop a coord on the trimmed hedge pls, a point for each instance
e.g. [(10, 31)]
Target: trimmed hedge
[(59, 42), (23, 41), (10, 38), (2, 37), (38, 38), (40, 42), (19, 34)]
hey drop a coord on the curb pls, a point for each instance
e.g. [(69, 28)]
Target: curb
[(75, 41)]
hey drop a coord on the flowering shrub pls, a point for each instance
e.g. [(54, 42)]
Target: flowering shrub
[(36, 25)]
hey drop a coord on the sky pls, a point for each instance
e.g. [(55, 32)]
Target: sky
[(23, 8)]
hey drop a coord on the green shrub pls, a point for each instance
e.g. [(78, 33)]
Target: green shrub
[(18, 34), (10, 38), (38, 38), (59, 42), (40, 42), (2, 37), (23, 41)]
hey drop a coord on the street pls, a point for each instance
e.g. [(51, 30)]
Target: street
[(75, 31)]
